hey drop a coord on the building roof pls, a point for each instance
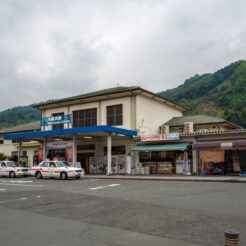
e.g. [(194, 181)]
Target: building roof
[(197, 120), (119, 90), (35, 125)]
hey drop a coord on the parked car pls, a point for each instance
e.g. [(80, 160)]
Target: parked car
[(56, 169), (12, 170)]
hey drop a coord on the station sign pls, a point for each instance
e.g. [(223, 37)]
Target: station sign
[(56, 120)]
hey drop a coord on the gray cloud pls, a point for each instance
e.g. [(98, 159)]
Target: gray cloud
[(53, 49)]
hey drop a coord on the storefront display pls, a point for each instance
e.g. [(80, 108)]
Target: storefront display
[(222, 158), (98, 164)]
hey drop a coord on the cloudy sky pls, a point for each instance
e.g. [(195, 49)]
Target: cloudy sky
[(57, 48)]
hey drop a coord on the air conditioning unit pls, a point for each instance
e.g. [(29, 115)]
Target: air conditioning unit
[(164, 129), (188, 127)]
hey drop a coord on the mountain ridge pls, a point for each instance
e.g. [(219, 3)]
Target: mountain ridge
[(220, 94)]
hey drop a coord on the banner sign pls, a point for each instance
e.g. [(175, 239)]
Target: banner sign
[(161, 137), (59, 145), (56, 120)]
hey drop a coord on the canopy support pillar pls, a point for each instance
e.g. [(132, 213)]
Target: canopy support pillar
[(109, 154)]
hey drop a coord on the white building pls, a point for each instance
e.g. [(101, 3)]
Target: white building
[(98, 129)]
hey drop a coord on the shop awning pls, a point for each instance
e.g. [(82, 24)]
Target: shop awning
[(162, 147), (226, 144), (69, 131)]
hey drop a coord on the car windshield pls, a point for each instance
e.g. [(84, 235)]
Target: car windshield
[(10, 164), (62, 164)]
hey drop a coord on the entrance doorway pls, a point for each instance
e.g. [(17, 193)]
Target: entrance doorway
[(84, 159)]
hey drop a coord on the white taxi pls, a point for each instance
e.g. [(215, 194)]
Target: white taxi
[(10, 169), (56, 169)]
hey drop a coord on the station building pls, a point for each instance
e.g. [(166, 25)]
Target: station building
[(97, 129), (128, 130)]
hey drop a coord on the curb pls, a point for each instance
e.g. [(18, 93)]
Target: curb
[(233, 180)]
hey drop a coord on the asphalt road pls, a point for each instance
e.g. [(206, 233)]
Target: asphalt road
[(119, 212)]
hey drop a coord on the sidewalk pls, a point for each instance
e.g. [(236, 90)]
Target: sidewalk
[(231, 179)]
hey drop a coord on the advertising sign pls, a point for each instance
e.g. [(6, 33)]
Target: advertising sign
[(59, 145), (56, 120), (161, 137)]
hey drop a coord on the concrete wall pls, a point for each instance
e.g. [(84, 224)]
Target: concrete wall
[(101, 111), (8, 147), (150, 114)]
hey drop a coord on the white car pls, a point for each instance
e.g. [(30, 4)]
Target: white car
[(56, 169), (10, 169)]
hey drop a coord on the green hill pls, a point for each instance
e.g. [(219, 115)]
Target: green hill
[(221, 94), (18, 115)]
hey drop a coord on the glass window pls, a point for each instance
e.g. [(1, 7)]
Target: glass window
[(14, 153), (115, 115), (58, 126), (52, 164), (45, 164), (10, 164), (1, 141), (3, 165), (86, 117), (62, 164), (116, 150), (86, 147)]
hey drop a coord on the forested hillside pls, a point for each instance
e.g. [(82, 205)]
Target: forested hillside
[(221, 94), (18, 115)]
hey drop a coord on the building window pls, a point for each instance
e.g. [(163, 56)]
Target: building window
[(24, 153), (86, 117), (58, 126), (14, 153), (1, 141), (116, 150), (86, 147), (115, 115), (14, 141)]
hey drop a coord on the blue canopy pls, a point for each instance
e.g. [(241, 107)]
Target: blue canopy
[(69, 131)]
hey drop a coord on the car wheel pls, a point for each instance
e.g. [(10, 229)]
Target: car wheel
[(39, 175), (63, 175), (12, 174)]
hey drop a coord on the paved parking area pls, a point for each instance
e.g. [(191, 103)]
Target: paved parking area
[(119, 212)]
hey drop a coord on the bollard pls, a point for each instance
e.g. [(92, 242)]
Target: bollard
[(231, 238)]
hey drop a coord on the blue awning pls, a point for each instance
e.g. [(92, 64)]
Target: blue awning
[(161, 147), (69, 131)]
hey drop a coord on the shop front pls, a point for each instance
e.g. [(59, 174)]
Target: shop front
[(97, 149), (225, 157), (172, 158)]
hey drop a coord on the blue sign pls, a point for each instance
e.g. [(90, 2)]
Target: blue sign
[(56, 120)]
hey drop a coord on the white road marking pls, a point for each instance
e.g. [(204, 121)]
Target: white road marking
[(38, 196), (16, 181), (14, 200), (101, 187), (25, 185), (2, 189)]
